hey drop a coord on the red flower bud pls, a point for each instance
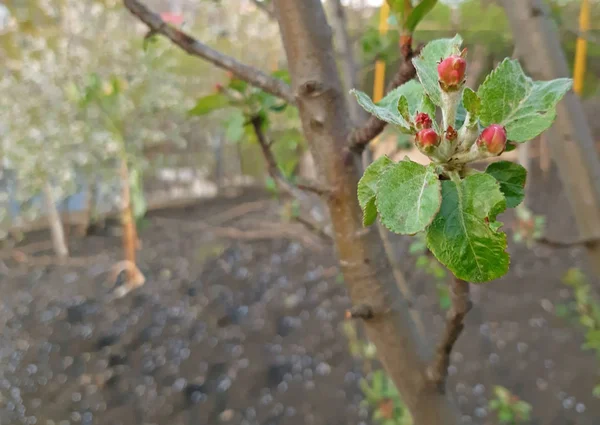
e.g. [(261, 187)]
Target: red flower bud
[(451, 72), (427, 138), (451, 133), (218, 87), (422, 121), (493, 139)]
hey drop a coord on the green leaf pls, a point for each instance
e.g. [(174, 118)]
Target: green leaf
[(367, 188), (525, 107), (426, 64), (209, 103), (235, 127), (419, 13), (461, 237), (408, 197), (471, 102), (511, 177), (282, 74), (387, 109), (403, 108), (426, 106)]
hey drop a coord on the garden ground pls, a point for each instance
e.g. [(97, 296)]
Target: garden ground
[(236, 328)]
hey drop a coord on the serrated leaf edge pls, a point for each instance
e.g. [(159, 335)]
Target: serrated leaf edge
[(439, 192)]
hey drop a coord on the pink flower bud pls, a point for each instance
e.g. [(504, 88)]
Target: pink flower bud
[(218, 87), (451, 72), (427, 138), (493, 139), (422, 121)]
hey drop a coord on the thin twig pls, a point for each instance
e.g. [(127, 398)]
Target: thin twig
[(194, 47), (360, 137), (314, 228), (461, 304), (283, 184), (239, 211), (265, 8), (586, 242), (273, 169), (313, 187)]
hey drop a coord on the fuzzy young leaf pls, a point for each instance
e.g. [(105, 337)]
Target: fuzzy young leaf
[(403, 108), (425, 105), (461, 236), (525, 107), (209, 103), (511, 177), (471, 102), (367, 188), (426, 64), (408, 197), (391, 108)]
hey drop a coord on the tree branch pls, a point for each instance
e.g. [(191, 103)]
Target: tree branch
[(194, 47), (461, 304), (360, 137)]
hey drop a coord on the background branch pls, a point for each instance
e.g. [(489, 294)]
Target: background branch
[(360, 137), (461, 304), (265, 8), (194, 47), (283, 184)]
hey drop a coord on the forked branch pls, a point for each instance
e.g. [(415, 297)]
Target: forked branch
[(194, 47), (461, 304)]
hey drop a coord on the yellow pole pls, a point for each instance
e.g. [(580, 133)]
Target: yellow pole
[(581, 47), (378, 85), (380, 65)]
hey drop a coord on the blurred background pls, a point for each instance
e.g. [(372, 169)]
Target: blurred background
[(152, 273)]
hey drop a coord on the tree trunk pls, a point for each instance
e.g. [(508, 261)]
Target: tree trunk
[(57, 231), (366, 268), (359, 116), (571, 142)]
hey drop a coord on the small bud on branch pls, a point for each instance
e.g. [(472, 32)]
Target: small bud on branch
[(451, 73), (422, 120), (427, 139), (493, 139)]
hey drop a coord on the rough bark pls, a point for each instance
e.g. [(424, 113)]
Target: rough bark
[(368, 274), (571, 142), (57, 231)]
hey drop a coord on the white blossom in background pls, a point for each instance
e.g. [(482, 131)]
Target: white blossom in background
[(47, 137)]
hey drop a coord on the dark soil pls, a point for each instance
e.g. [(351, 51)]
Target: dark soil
[(248, 332)]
